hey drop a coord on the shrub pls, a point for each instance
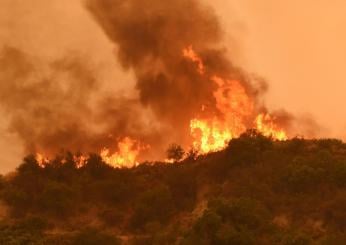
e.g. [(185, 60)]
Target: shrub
[(94, 237), (299, 178), (153, 205)]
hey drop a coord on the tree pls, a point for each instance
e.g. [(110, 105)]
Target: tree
[(175, 152)]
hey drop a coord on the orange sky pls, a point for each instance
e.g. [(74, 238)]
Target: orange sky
[(297, 46)]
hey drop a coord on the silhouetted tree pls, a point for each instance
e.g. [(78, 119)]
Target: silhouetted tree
[(175, 152)]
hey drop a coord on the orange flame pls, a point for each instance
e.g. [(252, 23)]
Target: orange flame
[(265, 125), (235, 107), (209, 136), (125, 157), (189, 53), (41, 160), (80, 161)]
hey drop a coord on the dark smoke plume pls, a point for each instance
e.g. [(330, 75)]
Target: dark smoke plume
[(150, 36), (58, 106)]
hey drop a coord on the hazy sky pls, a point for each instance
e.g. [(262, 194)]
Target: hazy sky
[(298, 46)]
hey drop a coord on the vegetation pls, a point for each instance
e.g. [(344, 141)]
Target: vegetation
[(257, 191)]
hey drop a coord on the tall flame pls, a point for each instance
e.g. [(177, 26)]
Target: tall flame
[(265, 125), (235, 107), (209, 136), (126, 156)]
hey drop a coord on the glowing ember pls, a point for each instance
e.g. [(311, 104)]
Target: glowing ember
[(126, 155), (80, 161), (265, 125), (189, 53), (41, 160)]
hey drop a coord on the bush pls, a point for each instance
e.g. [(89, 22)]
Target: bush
[(94, 237), (298, 178), (241, 213), (153, 205), (175, 152), (28, 231), (248, 148), (338, 173), (56, 199)]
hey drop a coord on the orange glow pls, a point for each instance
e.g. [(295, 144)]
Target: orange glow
[(126, 155), (189, 53), (209, 136), (41, 160), (80, 161), (235, 107), (265, 125)]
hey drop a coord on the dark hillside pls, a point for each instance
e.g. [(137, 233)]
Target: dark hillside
[(257, 191)]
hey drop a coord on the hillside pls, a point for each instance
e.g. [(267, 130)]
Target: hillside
[(256, 191)]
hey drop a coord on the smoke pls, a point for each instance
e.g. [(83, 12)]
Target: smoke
[(58, 105), (150, 36)]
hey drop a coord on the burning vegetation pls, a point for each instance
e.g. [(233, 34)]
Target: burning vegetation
[(187, 91), (255, 191)]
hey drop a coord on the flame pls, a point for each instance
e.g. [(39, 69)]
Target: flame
[(265, 125), (80, 160), (234, 105), (125, 157), (235, 108), (189, 53), (209, 136), (41, 160)]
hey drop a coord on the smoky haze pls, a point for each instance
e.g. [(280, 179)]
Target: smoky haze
[(60, 102), (57, 105), (150, 37), (51, 106)]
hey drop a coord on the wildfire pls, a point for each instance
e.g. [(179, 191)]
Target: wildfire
[(234, 106), (41, 160), (233, 112), (265, 124), (209, 136), (189, 53), (80, 160), (126, 156)]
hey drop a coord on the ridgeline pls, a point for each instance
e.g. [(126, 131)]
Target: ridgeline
[(256, 191)]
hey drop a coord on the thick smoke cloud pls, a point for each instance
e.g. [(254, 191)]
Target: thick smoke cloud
[(150, 36), (58, 105)]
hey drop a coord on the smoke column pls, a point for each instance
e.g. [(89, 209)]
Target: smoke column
[(57, 105)]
